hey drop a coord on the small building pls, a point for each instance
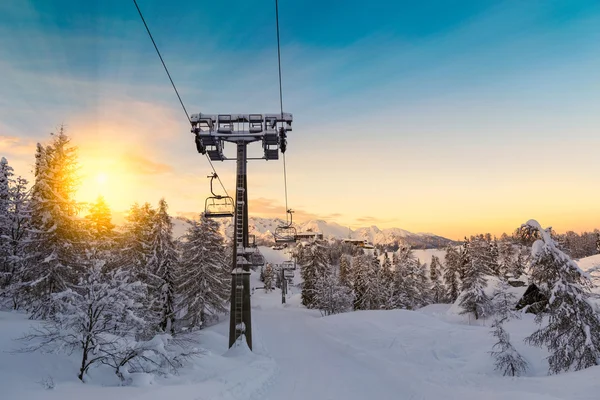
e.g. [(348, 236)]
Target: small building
[(309, 236), (362, 243)]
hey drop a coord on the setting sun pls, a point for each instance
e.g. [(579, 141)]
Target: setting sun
[(101, 178)]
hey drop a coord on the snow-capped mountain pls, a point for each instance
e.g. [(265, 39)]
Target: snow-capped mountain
[(263, 229)]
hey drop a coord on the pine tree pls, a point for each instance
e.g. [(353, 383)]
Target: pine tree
[(438, 291), (14, 239), (423, 285), (161, 269), (99, 221), (269, 277), (359, 276), (507, 359), (386, 283), (572, 334), (464, 259), (57, 240), (451, 274), (345, 262), (135, 243), (204, 273), (6, 173), (313, 269), (331, 296), (473, 299)]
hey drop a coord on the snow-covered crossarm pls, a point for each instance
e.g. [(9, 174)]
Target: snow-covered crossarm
[(212, 130)]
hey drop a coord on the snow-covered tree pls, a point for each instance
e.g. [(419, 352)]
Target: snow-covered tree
[(14, 224), (473, 299), (269, 277), (330, 295), (345, 263), (6, 173), (410, 280), (438, 290), (135, 243), (572, 334), (161, 269), (55, 249), (451, 273), (92, 316), (483, 252), (507, 359), (14, 240), (314, 265), (204, 273), (99, 221)]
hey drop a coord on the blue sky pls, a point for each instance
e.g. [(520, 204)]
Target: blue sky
[(444, 112)]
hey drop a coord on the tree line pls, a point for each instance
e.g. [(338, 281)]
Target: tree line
[(338, 278), (124, 297)]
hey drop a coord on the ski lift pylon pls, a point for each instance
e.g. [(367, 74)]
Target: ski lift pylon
[(217, 206), (285, 233)]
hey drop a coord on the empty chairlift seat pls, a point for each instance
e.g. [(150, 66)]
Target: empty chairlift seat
[(255, 123), (219, 207), (224, 124), (285, 234)]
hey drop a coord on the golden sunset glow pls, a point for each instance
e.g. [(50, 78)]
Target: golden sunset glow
[(102, 179)]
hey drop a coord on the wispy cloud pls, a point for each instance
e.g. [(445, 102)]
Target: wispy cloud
[(142, 165)]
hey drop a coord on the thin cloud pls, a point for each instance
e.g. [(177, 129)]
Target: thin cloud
[(142, 165), (269, 208), (15, 146)]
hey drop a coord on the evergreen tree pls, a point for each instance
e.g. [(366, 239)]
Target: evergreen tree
[(473, 299), (313, 269), (331, 296), (269, 277), (135, 243), (572, 334), (99, 221), (360, 281), (506, 258), (423, 285), (161, 269), (438, 291), (507, 359), (57, 241), (204, 274), (464, 259), (345, 262), (451, 273), (14, 239)]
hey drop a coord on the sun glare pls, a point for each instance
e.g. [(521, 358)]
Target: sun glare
[(101, 178)]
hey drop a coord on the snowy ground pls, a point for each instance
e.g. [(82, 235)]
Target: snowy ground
[(430, 354)]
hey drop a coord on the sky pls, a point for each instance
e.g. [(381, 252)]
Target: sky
[(451, 117)]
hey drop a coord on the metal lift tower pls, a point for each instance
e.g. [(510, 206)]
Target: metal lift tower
[(212, 131)]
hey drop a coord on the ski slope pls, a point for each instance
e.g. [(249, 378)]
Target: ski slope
[(399, 355), (432, 353)]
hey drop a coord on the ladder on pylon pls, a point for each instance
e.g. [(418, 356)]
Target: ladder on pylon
[(239, 302), (240, 246)]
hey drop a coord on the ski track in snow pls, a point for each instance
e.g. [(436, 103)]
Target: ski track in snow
[(297, 354)]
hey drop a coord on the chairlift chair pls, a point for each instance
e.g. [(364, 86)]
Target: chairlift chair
[(257, 259), (285, 233), (217, 206), (288, 265)]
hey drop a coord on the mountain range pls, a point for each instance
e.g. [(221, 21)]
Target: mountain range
[(263, 229)]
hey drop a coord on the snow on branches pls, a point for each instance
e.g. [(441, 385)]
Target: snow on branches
[(572, 333)]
